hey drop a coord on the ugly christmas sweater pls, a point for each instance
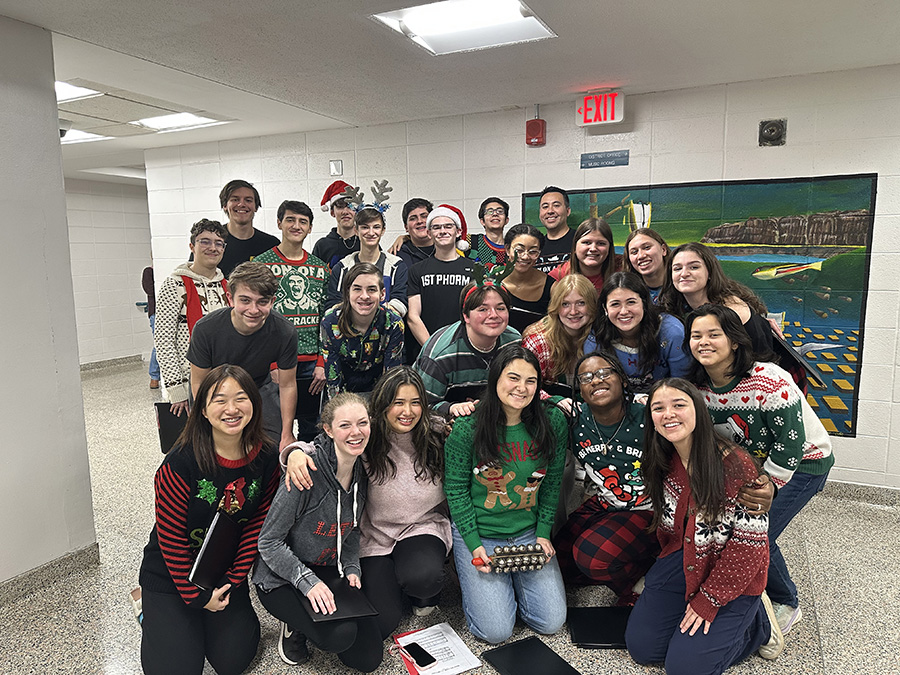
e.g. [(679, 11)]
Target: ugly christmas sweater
[(767, 414), (505, 499), (187, 500), (300, 297), (724, 558)]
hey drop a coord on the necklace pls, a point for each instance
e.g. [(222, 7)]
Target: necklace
[(352, 241), (605, 443)]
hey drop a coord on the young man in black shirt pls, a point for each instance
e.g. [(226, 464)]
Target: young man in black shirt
[(435, 283), (554, 212), (240, 201), (342, 239)]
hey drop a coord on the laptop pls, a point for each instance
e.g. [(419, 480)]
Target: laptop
[(598, 627)]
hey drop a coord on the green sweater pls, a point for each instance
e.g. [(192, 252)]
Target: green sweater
[(503, 501)]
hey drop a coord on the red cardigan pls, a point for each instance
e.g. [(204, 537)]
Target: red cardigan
[(723, 559)]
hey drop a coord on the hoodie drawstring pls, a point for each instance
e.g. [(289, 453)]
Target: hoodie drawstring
[(339, 533)]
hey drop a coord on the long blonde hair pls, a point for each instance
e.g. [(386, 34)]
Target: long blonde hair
[(565, 350)]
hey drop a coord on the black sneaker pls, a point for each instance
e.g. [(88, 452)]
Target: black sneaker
[(292, 646)]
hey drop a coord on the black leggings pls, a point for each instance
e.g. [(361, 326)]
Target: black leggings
[(176, 638), (415, 567), (356, 641)]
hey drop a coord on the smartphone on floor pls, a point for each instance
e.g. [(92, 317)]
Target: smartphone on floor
[(419, 656)]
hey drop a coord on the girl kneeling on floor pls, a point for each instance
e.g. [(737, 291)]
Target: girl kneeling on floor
[(312, 536), (503, 469), (701, 610), (221, 462), (405, 527)]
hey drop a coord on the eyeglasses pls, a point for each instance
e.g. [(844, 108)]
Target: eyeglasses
[(442, 226), (495, 212), (522, 252), (218, 244), (601, 374)]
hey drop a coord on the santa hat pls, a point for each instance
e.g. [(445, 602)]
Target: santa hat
[(457, 217), (333, 193)]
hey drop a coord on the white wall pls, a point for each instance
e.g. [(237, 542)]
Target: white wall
[(109, 240), (46, 479), (837, 123)]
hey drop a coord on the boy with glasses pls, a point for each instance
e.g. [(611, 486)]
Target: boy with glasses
[(488, 248), (435, 283), (194, 289)]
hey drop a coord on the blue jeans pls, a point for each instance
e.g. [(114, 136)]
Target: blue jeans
[(790, 500), (154, 364), (490, 601), (653, 634)]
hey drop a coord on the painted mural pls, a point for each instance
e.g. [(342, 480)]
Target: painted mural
[(801, 244)]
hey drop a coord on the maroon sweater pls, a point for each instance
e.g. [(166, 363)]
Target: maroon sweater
[(722, 559)]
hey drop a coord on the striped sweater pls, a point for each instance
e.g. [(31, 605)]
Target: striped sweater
[(187, 500)]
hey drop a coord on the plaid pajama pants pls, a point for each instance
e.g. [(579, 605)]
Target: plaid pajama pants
[(612, 548)]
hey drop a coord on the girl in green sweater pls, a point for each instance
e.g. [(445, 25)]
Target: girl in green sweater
[(504, 464)]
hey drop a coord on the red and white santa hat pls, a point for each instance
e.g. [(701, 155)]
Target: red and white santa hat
[(333, 193), (457, 217)]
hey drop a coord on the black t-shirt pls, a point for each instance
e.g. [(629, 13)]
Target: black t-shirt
[(241, 250), (439, 283), (215, 342), (555, 252), (523, 313)]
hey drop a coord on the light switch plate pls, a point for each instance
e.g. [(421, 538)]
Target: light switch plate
[(336, 167)]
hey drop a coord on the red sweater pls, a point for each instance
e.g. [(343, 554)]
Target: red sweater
[(724, 559)]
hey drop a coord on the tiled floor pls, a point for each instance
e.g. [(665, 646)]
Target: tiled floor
[(843, 553)]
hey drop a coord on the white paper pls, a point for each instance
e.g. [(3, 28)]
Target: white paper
[(442, 642)]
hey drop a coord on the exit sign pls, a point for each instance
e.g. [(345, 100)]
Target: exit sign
[(607, 107)]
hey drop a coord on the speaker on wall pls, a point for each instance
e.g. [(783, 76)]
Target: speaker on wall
[(536, 132), (772, 132)]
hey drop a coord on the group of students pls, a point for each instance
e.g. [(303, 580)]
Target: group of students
[(646, 397)]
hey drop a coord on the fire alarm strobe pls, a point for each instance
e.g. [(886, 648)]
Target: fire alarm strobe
[(536, 132)]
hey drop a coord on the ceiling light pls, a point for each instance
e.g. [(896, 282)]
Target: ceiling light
[(176, 122), (466, 25), (78, 136), (69, 92)]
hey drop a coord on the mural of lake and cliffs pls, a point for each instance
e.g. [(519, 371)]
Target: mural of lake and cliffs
[(802, 244)]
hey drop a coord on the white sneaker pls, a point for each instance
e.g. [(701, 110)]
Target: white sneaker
[(773, 648), (787, 616), (639, 586), (424, 611)]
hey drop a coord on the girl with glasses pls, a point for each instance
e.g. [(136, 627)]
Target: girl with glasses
[(529, 288)]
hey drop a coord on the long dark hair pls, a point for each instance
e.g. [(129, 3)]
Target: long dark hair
[(426, 439), (719, 287), (734, 330), (650, 234), (648, 329), (600, 226), (345, 319), (490, 418), (197, 434), (705, 466)]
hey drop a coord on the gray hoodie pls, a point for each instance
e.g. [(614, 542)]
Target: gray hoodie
[(302, 528)]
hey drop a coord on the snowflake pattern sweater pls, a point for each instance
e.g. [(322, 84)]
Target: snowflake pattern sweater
[(765, 413), (723, 559), (187, 500), (506, 499), (173, 334)]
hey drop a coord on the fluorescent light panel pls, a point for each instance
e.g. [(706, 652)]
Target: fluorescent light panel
[(466, 25), (176, 122), (78, 136), (69, 92)]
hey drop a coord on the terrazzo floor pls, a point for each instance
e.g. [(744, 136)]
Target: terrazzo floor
[(841, 550)]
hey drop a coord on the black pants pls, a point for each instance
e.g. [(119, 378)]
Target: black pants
[(415, 567), (176, 638), (356, 641)]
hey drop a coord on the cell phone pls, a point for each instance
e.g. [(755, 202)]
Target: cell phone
[(419, 656)]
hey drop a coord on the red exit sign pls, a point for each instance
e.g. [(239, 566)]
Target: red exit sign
[(606, 107)]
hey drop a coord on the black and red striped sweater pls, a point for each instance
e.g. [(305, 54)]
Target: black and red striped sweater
[(187, 500)]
